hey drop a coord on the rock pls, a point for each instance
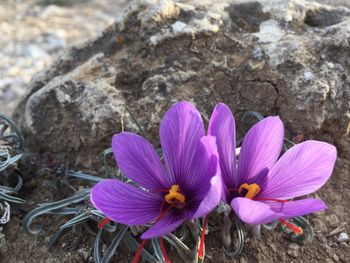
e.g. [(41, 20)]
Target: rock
[(293, 250), (286, 58), (338, 230), (293, 253), (83, 253), (343, 237), (243, 260), (294, 246), (273, 247)]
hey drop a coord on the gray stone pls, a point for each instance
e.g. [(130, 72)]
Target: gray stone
[(83, 253), (293, 250), (343, 237), (286, 58)]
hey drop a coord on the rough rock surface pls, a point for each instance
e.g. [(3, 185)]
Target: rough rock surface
[(287, 58)]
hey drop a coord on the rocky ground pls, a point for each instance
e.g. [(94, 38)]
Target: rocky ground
[(154, 59)]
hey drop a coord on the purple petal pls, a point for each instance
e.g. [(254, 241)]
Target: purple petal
[(222, 126), (260, 149), (298, 208), (164, 226), (139, 161), (301, 170), (254, 212), (125, 203), (180, 133), (206, 183), (212, 198)]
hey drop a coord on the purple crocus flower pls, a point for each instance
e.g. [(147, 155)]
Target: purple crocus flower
[(189, 186), (258, 188)]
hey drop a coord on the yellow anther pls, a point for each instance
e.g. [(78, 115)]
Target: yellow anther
[(174, 195), (253, 190)]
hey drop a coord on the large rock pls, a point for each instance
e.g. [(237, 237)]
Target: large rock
[(287, 58)]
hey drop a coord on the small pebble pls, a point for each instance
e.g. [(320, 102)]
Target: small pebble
[(83, 253), (243, 260), (293, 253), (308, 75), (258, 53), (293, 250), (343, 237), (294, 246), (273, 247)]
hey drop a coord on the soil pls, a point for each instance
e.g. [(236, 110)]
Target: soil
[(77, 245)]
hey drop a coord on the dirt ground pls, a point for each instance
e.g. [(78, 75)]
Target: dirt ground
[(77, 245)]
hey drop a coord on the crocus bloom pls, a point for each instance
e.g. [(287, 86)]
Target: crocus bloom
[(259, 187), (188, 186)]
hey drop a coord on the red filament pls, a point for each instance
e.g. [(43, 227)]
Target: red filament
[(103, 223), (162, 213), (297, 230), (162, 247), (139, 251), (201, 244)]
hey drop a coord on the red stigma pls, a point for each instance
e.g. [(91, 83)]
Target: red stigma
[(162, 247), (139, 251), (297, 230), (162, 213), (103, 223), (201, 244)]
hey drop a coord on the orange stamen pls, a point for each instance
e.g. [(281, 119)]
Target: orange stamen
[(139, 251), (201, 244), (103, 223), (174, 194), (297, 230), (162, 247), (252, 190)]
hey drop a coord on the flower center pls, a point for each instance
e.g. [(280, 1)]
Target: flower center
[(252, 190), (174, 195)]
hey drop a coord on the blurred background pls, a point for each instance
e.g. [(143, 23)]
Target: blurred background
[(34, 32)]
